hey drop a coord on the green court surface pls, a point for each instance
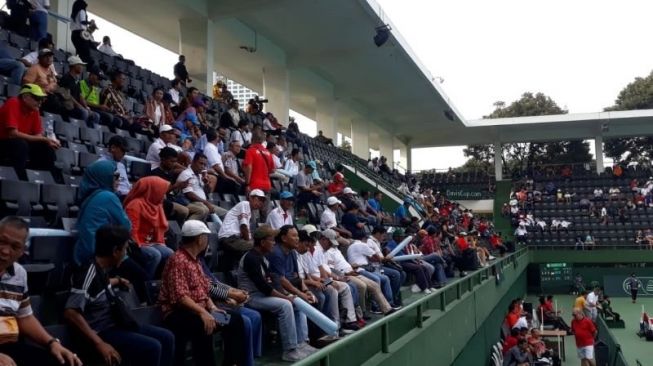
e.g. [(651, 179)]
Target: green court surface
[(633, 347)]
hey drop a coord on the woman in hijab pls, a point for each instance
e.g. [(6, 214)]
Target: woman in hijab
[(144, 207), (100, 206)]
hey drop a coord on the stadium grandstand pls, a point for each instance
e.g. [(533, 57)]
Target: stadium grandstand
[(156, 221)]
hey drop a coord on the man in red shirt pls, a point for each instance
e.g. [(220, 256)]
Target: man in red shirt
[(257, 166), (584, 332), (21, 134), (336, 187), (461, 242)]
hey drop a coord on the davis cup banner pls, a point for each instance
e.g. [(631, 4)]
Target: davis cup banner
[(617, 286)]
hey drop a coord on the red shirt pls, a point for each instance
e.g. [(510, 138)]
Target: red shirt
[(512, 319), (260, 160), (548, 305), (584, 331), (335, 188), (462, 244), (495, 240), (508, 343), (182, 276), (14, 114)]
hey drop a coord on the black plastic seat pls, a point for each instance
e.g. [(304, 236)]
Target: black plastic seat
[(66, 160), (90, 136), (66, 131), (7, 173), (139, 169), (60, 198), (40, 177), (21, 197)]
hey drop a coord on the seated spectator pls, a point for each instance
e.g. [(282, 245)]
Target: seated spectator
[(188, 311), (521, 234), (11, 67), (278, 172), (338, 184), (90, 92), (307, 190), (187, 123), (351, 197), (606, 309), (18, 318), (99, 205), (22, 144), (271, 125), (115, 337), (518, 355), (232, 170), (550, 316), (376, 203), (117, 148), (282, 215), (391, 268), (175, 95), (216, 165), (71, 95), (291, 165), (114, 102), (510, 341), (614, 194), (323, 139), (234, 236), (328, 221), (429, 246), (231, 119), (41, 73), (402, 213), (107, 48), (168, 170), (33, 57), (157, 111), (167, 137), (197, 189), (144, 207), (242, 134), (255, 277), (352, 222), (368, 263), (416, 267)]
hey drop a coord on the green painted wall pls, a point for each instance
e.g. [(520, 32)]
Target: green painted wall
[(358, 184), (502, 194)]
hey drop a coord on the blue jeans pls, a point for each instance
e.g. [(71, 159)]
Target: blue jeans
[(147, 346), (293, 328), (354, 293), (14, 68), (38, 25), (439, 264), (91, 118), (383, 281), (155, 254), (253, 333), (397, 278)]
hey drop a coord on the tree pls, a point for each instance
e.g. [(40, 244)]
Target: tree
[(636, 95), (523, 155)]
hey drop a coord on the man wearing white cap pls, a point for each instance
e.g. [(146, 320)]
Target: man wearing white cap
[(328, 221), (71, 92), (234, 236), (167, 137)]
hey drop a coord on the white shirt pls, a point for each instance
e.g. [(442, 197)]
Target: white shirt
[(237, 216), (174, 94), (76, 23), (123, 184), (229, 162), (565, 224), (598, 192), (243, 137), (213, 156), (521, 231), (320, 259), (107, 50), (196, 184), (154, 150), (276, 218), (336, 261), (358, 253), (267, 125), (375, 245), (604, 211), (40, 5), (277, 161), (328, 219), (307, 265), (291, 167), (592, 299), (614, 191)]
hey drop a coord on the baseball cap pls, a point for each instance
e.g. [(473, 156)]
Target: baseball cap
[(312, 164), (194, 228), (333, 201), (309, 228), (285, 195), (264, 231), (257, 193), (75, 60), (33, 89), (165, 128), (45, 52), (348, 190), (338, 177), (331, 235)]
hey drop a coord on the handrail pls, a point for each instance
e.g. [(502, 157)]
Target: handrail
[(606, 335), (322, 356)]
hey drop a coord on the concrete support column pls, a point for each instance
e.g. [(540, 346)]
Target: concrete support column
[(61, 31), (196, 43), (360, 138), (276, 89), (409, 158), (498, 161), (386, 148), (403, 153), (326, 116), (598, 153)]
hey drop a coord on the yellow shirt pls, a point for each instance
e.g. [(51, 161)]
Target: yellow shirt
[(579, 303)]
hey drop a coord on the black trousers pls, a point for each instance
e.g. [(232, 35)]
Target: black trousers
[(633, 294), (26, 354), (22, 154), (83, 47)]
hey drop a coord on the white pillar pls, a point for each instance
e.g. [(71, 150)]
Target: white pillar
[(409, 158), (360, 138), (61, 31), (277, 90), (598, 153), (498, 161), (196, 43), (326, 116)]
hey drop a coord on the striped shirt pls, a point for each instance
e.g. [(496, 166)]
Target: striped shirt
[(88, 295), (14, 299)]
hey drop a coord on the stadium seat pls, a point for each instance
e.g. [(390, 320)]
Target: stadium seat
[(40, 177), (139, 169), (60, 198), (7, 173), (21, 197)]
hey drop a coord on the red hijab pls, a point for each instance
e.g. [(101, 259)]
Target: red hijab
[(144, 206)]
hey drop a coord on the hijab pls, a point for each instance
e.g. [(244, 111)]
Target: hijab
[(146, 197), (97, 176)]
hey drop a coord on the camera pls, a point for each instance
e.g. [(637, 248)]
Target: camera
[(258, 99)]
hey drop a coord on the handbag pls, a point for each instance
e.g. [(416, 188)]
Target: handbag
[(120, 312)]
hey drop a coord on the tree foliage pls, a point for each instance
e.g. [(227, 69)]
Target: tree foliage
[(636, 95), (524, 155)]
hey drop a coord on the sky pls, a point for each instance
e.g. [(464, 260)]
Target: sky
[(581, 53)]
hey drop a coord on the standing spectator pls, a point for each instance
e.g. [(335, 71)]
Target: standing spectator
[(167, 138), (255, 277), (591, 303), (117, 148), (180, 71), (633, 285), (79, 24), (73, 97), (16, 309), (198, 188), (11, 67), (19, 12), (584, 333), (257, 166), (22, 144), (234, 236), (282, 215), (144, 207), (188, 311), (41, 73), (38, 19), (88, 309)]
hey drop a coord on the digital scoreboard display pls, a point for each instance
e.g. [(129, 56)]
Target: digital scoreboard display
[(556, 273)]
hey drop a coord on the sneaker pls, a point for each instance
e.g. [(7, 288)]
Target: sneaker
[(427, 292), (353, 326), (463, 273), (414, 289), (293, 355), (397, 307), (391, 311), (491, 257), (375, 311), (361, 323), (305, 347)]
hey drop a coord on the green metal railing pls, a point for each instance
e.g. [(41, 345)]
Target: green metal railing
[(379, 337), (616, 356)]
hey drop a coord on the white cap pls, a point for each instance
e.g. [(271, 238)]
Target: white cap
[(257, 193), (348, 190), (309, 228), (194, 228), (165, 128), (75, 60), (333, 201)]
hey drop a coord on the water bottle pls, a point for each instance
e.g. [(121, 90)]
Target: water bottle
[(49, 130)]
